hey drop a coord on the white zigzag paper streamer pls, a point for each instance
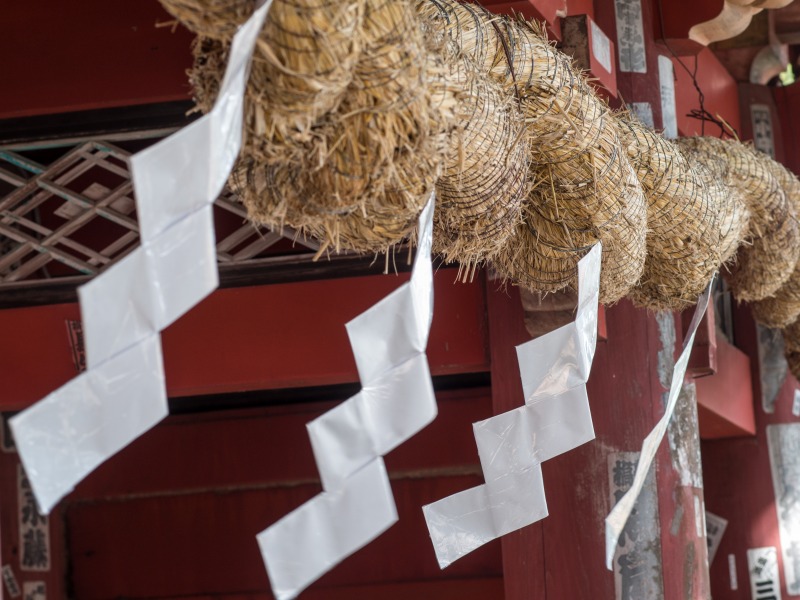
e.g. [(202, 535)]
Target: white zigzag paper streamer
[(349, 441), (68, 434), (616, 519), (554, 419)]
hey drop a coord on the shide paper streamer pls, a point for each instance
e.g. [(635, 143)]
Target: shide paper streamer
[(68, 434), (554, 419), (615, 521), (349, 441)]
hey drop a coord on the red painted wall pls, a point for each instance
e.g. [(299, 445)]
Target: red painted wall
[(176, 513), (68, 56), (720, 90)]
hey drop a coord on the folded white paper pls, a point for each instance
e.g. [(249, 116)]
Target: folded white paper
[(467, 520), (150, 288), (310, 541), (395, 402), (373, 422), (65, 436), (188, 170), (554, 419), (615, 521), (62, 438)]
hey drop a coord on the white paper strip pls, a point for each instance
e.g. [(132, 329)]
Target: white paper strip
[(715, 529), (62, 438), (313, 539), (762, 565), (615, 521), (783, 441), (554, 419), (396, 401), (666, 80)]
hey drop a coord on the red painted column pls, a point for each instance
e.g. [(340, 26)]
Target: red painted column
[(562, 557)]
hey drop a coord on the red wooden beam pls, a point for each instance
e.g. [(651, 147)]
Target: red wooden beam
[(523, 550), (192, 452), (676, 17), (267, 337)]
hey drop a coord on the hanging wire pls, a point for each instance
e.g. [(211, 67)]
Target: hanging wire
[(701, 114)]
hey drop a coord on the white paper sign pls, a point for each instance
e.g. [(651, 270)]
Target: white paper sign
[(715, 529), (666, 80), (630, 36), (784, 458), (637, 560), (34, 590), (644, 112), (763, 138), (732, 573), (762, 565), (10, 581), (34, 529), (601, 47), (772, 365)]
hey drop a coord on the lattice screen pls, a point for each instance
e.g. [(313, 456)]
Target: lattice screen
[(76, 216)]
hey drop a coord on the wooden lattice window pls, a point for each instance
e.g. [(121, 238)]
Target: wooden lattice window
[(76, 216)]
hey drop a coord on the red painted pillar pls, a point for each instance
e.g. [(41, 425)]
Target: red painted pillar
[(662, 554)]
